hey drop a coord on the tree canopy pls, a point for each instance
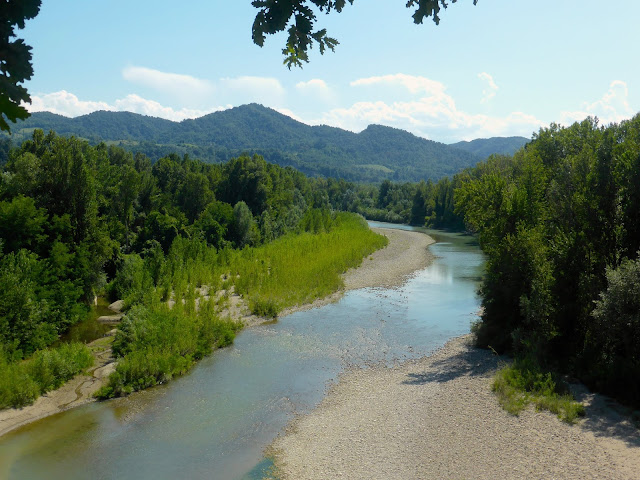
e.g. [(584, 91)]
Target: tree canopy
[(15, 60), (298, 17)]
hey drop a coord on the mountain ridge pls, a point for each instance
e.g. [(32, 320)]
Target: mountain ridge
[(372, 155)]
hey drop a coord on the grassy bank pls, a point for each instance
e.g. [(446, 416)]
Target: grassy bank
[(155, 343), (297, 269), (21, 382)]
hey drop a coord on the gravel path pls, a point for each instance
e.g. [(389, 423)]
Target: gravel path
[(436, 418)]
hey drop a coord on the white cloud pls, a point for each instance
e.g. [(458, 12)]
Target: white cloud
[(412, 83), (182, 86), (290, 113), (491, 88), (64, 103), (69, 105), (316, 88), (612, 107), (433, 114)]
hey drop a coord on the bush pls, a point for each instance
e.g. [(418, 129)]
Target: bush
[(523, 383), (155, 344), (22, 382)]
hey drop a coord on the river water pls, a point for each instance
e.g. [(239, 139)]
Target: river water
[(215, 422)]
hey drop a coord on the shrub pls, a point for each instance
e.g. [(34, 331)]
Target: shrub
[(523, 383), (21, 382)]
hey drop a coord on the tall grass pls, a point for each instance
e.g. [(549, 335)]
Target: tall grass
[(297, 269), (523, 383), (156, 343), (22, 382)]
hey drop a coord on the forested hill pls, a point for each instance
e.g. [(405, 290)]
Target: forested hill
[(375, 154), (484, 147)]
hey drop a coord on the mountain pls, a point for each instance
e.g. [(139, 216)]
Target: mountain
[(375, 154), (483, 147)]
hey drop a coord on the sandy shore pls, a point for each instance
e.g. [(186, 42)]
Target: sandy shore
[(405, 253), (436, 418)]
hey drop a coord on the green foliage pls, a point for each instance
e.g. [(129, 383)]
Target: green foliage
[(616, 331), (485, 147), (523, 383), (156, 344), (558, 222), (78, 219), (15, 60), (373, 155), (132, 281), (298, 18), (297, 269), (21, 382)]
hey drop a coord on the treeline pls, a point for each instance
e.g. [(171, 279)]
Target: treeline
[(78, 220), (424, 203), (560, 225)]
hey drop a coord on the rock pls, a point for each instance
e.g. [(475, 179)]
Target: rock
[(110, 318), (117, 306)]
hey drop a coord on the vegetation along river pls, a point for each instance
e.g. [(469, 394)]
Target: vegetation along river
[(216, 421)]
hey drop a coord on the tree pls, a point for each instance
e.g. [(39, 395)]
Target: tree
[(15, 60), (275, 15)]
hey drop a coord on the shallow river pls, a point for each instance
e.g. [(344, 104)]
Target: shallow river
[(215, 422)]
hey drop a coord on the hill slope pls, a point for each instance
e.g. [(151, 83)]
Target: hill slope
[(483, 147), (375, 154)]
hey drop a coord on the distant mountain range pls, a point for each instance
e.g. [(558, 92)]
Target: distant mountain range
[(375, 154)]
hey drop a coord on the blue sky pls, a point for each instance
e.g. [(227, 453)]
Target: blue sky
[(502, 67)]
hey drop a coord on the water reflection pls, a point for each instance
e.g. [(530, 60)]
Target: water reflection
[(216, 421)]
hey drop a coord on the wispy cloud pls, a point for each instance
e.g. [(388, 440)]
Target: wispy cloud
[(414, 84), (490, 89), (176, 84), (612, 107)]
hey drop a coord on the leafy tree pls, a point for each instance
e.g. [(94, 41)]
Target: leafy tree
[(21, 224), (298, 18), (244, 226), (617, 330), (15, 60)]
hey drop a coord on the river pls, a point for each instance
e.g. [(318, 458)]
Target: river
[(215, 422)]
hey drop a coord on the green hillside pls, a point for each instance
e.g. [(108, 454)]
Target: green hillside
[(375, 154), (483, 147)]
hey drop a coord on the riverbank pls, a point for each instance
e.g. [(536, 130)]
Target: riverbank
[(77, 391), (437, 418), (405, 253)]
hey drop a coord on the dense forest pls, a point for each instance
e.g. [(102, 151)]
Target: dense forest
[(375, 154)]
